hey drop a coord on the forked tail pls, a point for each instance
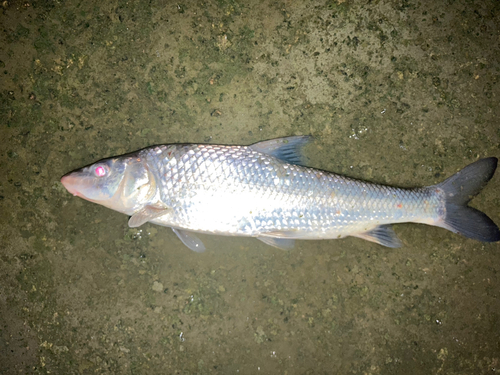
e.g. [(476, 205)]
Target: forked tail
[(458, 190)]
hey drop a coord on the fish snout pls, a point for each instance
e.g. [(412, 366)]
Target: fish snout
[(70, 184)]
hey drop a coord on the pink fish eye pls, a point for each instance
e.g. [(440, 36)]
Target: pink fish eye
[(100, 171)]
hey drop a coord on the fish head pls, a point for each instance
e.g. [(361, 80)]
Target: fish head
[(123, 184)]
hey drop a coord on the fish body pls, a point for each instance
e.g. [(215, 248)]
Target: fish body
[(262, 191)]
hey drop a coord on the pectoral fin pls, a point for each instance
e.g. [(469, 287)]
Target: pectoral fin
[(190, 240), (383, 235), (147, 213)]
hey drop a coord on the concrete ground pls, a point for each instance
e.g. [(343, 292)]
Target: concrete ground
[(397, 92)]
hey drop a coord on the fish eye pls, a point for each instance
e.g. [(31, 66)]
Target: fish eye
[(100, 170)]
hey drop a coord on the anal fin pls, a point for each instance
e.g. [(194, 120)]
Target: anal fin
[(383, 235)]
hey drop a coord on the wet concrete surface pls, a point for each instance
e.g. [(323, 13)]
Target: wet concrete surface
[(396, 92)]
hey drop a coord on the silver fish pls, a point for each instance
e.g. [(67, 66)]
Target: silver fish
[(262, 191)]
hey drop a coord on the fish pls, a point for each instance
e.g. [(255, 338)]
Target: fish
[(264, 190)]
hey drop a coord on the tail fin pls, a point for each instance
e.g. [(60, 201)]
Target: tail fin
[(458, 190)]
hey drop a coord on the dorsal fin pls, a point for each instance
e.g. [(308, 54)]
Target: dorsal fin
[(288, 149)]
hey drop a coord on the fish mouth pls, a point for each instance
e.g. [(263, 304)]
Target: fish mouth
[(69, 182)]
